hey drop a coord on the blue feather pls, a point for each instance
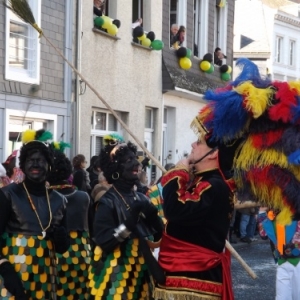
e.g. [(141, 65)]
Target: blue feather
[(296, 111), (229, 117), (294, 158), (250, 72)]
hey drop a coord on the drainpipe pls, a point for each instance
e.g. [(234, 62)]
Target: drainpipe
[(77, 107), (69, 8)]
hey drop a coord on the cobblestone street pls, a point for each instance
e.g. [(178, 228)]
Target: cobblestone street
[(258, 256)]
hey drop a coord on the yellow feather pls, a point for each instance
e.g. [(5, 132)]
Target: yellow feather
[(28, 136), (295, 85), (285, 216), (256, 100), (295, 170), (250, 156), (56, 145), (270, 196)]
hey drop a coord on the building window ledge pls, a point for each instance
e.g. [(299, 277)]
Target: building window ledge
[(98, 31), (141, 46)]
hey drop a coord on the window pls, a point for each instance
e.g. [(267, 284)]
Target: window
[(18, 121), (178, 10), (102, 123), (137, 10), (22, 60), (173, 12), (105, 7), (149, 118), (221, 27), (278, 50), (200, 27), (292, 53)]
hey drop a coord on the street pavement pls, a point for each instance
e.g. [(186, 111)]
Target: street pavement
[(259, 257)]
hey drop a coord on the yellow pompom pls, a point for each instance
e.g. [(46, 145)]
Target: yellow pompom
[(28, 136)]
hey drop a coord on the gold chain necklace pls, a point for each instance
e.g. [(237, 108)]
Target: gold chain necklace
[(126, 204), (34, 209)]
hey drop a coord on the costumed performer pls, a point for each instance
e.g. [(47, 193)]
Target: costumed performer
[(267, 165), (32, 225), (122, 261), (72, 266), (198, 203)]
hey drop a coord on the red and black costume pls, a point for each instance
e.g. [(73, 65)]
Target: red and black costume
[(192, 248)]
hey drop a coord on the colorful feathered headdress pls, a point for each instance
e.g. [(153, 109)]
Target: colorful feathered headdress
[(36, 140), (113, 139), (266, 115), (60, 146), (41, 135)]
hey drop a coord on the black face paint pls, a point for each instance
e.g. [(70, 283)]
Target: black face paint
[(129, 167), (36, 167)]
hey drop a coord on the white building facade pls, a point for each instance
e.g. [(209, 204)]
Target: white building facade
[(271, 40)]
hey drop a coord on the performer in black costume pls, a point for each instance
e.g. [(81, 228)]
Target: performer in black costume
[(123, 219), (72, 266), (32, 225)]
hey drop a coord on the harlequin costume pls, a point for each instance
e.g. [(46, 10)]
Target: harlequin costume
[(30, 219), (266, 167), (72, 265), (120, 264)]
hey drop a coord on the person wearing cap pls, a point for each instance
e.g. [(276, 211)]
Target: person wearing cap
[(198, 202), (123, 263), (72, 266), (32, 225)]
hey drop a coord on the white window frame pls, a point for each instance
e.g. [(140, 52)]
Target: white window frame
[(29, 115), (221, 28), (201, 26), (101, 133), (151, 118), (292, 47), (279, 49), (173, 12), (31, 76), (181, 15)]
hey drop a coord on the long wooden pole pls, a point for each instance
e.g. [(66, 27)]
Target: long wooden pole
[(108, 107), (246, 204), (228, 246), (240, 260)]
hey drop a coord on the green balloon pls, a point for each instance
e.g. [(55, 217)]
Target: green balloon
[(188, 53), (157, 45), (211, 69), (98, 21), (225, 76)]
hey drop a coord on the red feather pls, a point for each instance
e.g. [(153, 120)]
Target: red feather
[(266, 139), (287, 99)]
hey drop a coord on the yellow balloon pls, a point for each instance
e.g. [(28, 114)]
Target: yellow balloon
[(107, 22), (204, 65), (112, 29), (185, 63), (143, 37), (229, 70), (146, 42)]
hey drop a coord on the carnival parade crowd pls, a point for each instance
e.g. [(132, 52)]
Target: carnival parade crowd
[(67, 232)]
